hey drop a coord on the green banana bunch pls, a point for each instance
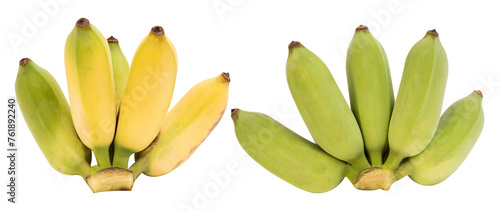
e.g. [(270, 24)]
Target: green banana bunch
[(420, 97), (91, 88), (286, 154), (120, 69), (458, 130), (48, 117), (323, 107), (370, 91)]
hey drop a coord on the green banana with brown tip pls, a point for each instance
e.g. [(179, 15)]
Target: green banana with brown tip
[(120, 68), (370, 91), (415, 117), (458, 131), (48, 117), (323, 107), (286, 154)]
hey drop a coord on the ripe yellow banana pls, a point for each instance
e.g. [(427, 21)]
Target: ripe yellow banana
[(89, 73), (323, 107), (48, 117), (286, 154), (458, 131), (186, 126), (120, 69), (147, 96), (420, 97), (370, 91)]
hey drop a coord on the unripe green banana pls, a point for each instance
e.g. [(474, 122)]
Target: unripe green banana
[(370, 91), (420, 97), (120, 69), (323, 107), (458, 131), (48, 117), (286, 154)]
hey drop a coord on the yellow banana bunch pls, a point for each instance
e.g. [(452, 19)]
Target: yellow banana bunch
[(89, 73), (120, 69), (420, 97), (186, 126), (458, 130), (286, 154), (323, 107), (100, 83), (370, 91), (147, 96), (48, 117)]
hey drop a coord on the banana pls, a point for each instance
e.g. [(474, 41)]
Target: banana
[(186, 126), (323, 107), (120, 68), (286, 154), (89, 73), (420, 97), (370, 91), (458, 131), (147, 96), (48, 117)]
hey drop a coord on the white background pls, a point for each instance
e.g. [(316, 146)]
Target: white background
[(249, 39)]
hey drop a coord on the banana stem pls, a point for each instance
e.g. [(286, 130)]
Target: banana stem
[(375, 159), (102, 157), (361, 163), (120, 158), (85, 169), (138, 167), (403, 171), (393, 161)]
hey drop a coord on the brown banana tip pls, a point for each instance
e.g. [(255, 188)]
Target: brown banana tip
[(82, 22), (24, 61), (294, 44), (478, 92), (112, 40), (433, 32), (233, 112), (157, 31), (226, 76), (361, 27)]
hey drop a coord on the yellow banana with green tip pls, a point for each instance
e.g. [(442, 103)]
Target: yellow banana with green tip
[(120, 68), (147, 96), (458, 131), (370, 91), (186, 126), (286, 154), (48, 117), (89, 73), (416, 112), (323, 107)]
